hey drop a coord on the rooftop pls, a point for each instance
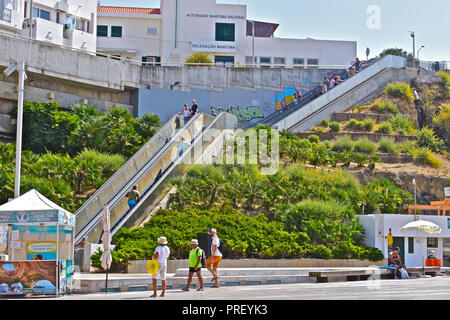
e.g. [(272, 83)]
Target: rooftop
[(128, 10)]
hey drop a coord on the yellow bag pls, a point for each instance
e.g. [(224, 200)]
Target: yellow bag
[(152, 267)]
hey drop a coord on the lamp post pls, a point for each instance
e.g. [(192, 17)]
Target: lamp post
[(413, 36), (20, 67), (418, 51)]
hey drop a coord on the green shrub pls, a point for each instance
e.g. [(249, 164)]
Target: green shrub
[(327, 144), (388, 146), (427, 139), (325, 123), (445, 83), (385, 107), (335, 126), (317, 129), (357, 108), (364, 145), (408, 146), (368, 124), (399, 90), (385, 127), (321, 252), (314, 138), (401, 124), (371, 254), (426, 157), (441, 124), (343, 143), (346, 250), (351, 124)]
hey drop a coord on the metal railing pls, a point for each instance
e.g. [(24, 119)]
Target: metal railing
[(129, 176), (307, 98)]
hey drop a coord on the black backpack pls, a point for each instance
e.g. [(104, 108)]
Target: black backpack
[(221, 246), (203, 258)]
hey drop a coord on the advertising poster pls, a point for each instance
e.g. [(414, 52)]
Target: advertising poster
[(24, 277), (41, 250), (3, 239)]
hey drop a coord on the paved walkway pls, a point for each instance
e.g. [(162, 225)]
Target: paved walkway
[(436, 288)]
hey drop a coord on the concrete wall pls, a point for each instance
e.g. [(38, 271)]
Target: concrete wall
[(251, 96), (173, 265)]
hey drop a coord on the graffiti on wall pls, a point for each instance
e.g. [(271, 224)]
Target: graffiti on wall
[(247, 113), (282, 99)]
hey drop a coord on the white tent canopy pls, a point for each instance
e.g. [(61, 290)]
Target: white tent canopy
[(426, 226), (34, 207)]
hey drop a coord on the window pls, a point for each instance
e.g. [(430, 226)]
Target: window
[(313, 62), (225, 32), (249, 60), (152, 31), (432, 243), (299, 62), (39, 13), (410, 245), (102, 31), (266, 61), (279, 60), (116, 31)]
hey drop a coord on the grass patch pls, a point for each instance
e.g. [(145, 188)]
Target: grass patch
[(399, 90), (344, 143), (388, 146), (364, 145)]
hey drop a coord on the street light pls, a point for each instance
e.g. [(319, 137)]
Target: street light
[(414, 183), (413, 36), (20, 67), (418, 51)]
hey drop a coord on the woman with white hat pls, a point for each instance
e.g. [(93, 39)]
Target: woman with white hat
[(161, 254)]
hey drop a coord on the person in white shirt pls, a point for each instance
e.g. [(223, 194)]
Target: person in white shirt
[(215, 257), (161, 254)]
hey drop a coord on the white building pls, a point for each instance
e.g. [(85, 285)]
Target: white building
[(415, 245), (64, 22), (222, 30)]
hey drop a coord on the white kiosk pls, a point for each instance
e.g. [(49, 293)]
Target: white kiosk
[(38, 237)]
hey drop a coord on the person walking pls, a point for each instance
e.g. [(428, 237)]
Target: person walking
[(195, 265), (186, 113), (215, 257), (194, 108), (133, 197), (161, 254)]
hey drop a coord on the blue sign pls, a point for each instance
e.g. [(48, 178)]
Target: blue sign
[(21, 217)]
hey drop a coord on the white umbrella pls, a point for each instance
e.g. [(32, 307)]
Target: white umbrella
[(106, 258), (426, 226)]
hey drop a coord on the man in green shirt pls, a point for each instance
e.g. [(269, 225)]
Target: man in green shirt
[(195, 265)]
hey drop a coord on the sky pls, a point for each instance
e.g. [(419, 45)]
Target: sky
[(373, 24)]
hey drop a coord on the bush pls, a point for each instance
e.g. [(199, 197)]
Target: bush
[(384, 107), (399, 90), (445, 84), (346, 250), (314, 138), (401, 124), (198, 59), (388, 146), (321, 252), (317, 129), (325, 123), (385, 127), (352, 124), (364, 145), (368, 124), (335, 126), (441, 124), (343, 143), (426, 157), (407, 147), (327, 144), (371, 254), (427, 139)]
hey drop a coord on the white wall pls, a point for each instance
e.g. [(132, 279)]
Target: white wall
[(134, 35), (202, 29), (377, 229), (13, 9)]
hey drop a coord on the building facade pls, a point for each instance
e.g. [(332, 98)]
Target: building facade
[(181, 27), (70, 23), (415, 245)]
